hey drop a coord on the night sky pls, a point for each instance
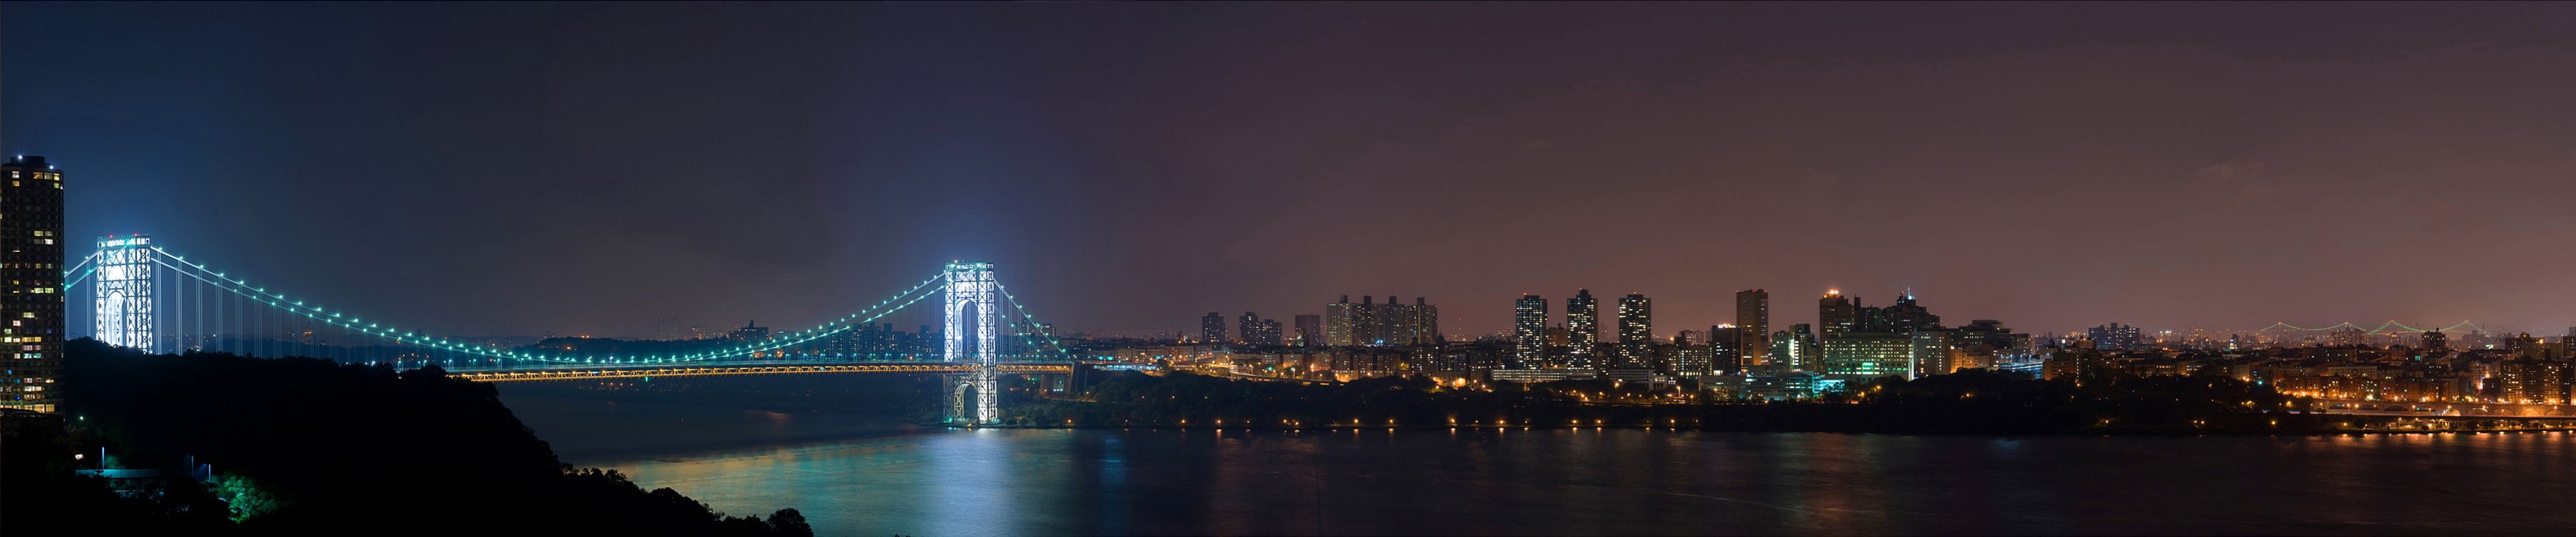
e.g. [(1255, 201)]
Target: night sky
[(582, 168)]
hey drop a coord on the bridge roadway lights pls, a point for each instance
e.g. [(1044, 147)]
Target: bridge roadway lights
[(641, 372), (978, 323)]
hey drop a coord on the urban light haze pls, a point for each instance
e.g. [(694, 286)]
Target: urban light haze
[(1287, 268), (2057, 165)]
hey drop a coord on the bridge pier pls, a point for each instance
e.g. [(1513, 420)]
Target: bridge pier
[(985, 407)]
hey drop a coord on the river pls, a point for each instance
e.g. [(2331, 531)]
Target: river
[(855, 475)]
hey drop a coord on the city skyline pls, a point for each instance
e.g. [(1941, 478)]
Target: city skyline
[(1690, 150), (799, 269)]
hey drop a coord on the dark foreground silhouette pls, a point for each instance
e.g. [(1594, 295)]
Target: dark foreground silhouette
[(1975, 401), (306, 446)]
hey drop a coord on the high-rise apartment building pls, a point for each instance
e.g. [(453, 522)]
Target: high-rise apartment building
[(1529, 331), (1256, 330), (1752, 327), (1636, 330), (2114, 336), (1212, 329), (1371, 323), (1341, 323), (1368, 322), (1266, 334), (1583, 326), (31, 235), (1310, 330), (1424, 320)]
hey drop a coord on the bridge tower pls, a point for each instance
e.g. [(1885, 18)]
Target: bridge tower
[(122, 292), (973, 335)]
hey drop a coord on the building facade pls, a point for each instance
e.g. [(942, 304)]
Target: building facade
[(31, 229), (1341, 320), (1583, 328), (1529, 331), (1869, 354), (1212, 328), (2114, 336), (1310, 330), (1836, 315), (1752, 327), (1636, 330)]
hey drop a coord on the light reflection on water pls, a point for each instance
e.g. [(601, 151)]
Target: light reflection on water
[(1621, 481)]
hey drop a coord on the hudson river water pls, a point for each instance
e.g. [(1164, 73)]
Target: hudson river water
[(853, 475)]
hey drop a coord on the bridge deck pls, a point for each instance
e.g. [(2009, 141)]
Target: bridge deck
[(525, 375)]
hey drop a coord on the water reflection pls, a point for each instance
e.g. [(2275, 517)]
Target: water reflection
[(1623, 481)]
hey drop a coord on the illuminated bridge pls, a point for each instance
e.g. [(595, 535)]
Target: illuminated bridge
[(2390, 327), (143, 296), (764, 368)]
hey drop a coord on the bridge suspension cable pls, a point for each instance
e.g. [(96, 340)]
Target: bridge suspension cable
[(79, 271), (1035, 329), (342, 319)]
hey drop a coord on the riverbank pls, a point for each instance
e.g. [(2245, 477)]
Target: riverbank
[(305, 446), (1974, 402)]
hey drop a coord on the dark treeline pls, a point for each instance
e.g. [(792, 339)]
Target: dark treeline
[(307, 446), (1974, 401)]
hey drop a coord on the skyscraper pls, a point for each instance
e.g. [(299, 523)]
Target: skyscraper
[(31, 229), (1529, 331), (1248, 327), (1582, 325), (1836, 314), (1310, 330), (1752, 327), (1212, 329), (1636, 330)]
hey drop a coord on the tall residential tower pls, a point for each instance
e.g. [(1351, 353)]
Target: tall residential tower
[(1583, 327), (31, 230), (1636, 330), (1529, 331)]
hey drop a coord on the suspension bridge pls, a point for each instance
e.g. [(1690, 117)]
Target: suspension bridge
[(2390, 327), (143, 296)]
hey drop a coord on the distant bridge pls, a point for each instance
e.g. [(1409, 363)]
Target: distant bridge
[(2383, 328), (591, 373), (145, 297)]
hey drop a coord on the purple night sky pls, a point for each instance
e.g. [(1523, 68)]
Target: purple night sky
[(575, 168)]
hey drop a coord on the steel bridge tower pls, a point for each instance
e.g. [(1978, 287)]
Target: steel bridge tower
[(974, 333), (122, 294)]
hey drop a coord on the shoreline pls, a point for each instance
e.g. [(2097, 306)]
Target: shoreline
[(1454, 428)]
